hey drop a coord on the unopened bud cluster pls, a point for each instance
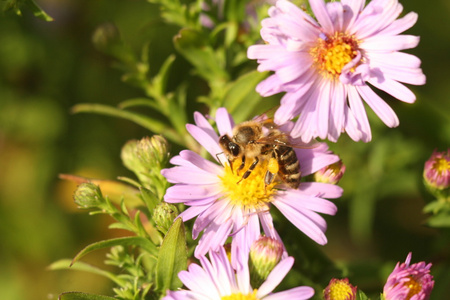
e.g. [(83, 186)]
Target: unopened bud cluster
[(265, 254), (88, 195), (146, 157), (164, 214)]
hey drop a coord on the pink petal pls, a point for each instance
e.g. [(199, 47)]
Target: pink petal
[(201, 162), (186, 192), (400, 25), (275, 277), (302, 222), (395, 89), (379, 106), (298, 293), (189, 175), (320, 11), (320, 189), (224, 121), (390, 43), (208, 141), (213, 237), (357, 110)]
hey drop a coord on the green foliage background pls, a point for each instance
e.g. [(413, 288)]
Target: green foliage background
[(48, 67)]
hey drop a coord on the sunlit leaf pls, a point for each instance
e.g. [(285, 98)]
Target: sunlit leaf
[(65, 264), (146, 122), (125, 241), (192, 45), (172, 258), (83, 296)]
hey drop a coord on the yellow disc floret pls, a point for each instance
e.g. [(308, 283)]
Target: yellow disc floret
[(332, 53), (414, 287), (251, 192), (240, 296)]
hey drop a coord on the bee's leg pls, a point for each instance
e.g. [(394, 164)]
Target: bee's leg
[(242, 164), (250, 169), (272, 170)]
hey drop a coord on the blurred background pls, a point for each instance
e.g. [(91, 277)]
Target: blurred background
[(48, 67)]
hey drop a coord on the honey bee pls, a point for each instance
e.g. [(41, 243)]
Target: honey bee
[(260, 139)]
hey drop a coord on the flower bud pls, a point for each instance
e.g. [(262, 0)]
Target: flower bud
[(146, 157), (88, 195), (409, 281), (164, 215), (265, 253), (331, 173), (106, 36), (340, 289), (436, 172), (153, 151)]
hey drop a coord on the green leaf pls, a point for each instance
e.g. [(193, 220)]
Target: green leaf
[(441, 219), (192, 45), (83, 296), (160, 80), (126, 241), (241, 97), (138, 102), (172, 258), (65, 264), (146, 122), (16, 5), (361, 296), (37, 11), (149, 198)]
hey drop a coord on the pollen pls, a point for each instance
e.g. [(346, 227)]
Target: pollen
[(413, 286), (441, 165), (332, 53), (240, 296), (251, 192), (340, 289)]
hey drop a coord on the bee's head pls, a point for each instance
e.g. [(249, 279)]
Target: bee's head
[(230, 148)]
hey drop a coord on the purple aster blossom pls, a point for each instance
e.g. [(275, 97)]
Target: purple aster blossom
[(215, 279), (324, 65), (409, 282), (225, 208), (437, 170)]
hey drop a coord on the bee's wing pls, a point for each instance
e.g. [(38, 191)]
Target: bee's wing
[(267, 116), (281, 140)]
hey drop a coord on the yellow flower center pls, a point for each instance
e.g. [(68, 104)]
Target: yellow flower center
[(340, 290), (251, 192), (413, 286), (332, 53), (441, 165), (240, 296)]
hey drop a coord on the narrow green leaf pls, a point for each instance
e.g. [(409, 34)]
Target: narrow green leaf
[(125, 241), (160, 80), (149, 198), (83, 296), (65, 264), (172, 258), (239, 90), (192, 45), (151, 124), (138, 102), (37, 11)]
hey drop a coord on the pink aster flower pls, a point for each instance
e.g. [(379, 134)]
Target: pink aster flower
[(215, 279), (409, 282), (324, 65), (225, 207), (437, 170)]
